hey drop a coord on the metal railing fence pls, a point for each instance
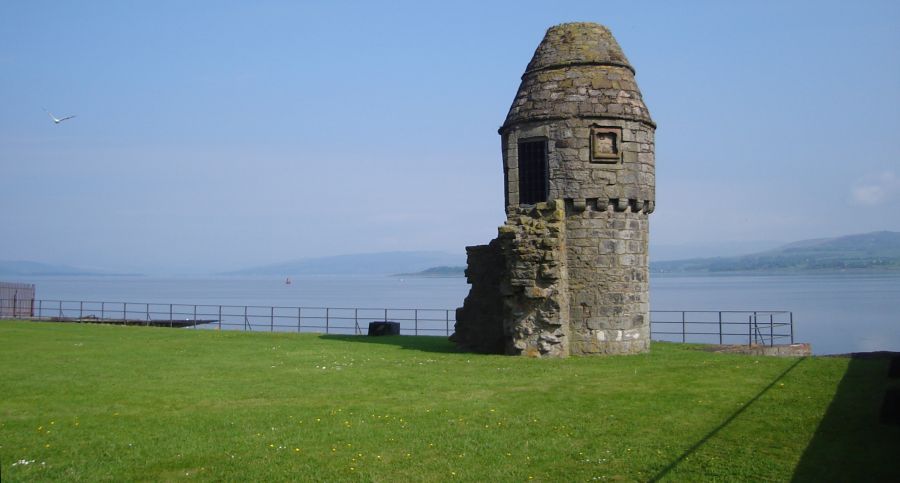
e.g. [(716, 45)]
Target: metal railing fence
[(762, 327), (16, 299), (328, 320)]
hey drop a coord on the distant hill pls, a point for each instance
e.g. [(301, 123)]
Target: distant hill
[(24, 268), (708, 249), (868, 251), (438, 272), (358, 264)]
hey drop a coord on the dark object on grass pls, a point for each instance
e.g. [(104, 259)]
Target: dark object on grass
[(384, 328), (890, 408)]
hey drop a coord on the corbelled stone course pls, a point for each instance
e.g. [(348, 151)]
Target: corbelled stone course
[(575, 276)]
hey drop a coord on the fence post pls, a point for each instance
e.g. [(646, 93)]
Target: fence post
[(447, 322), (245, 318), (327, 317), (756, 335), (299, 317), (102, 310), (683, 328), (220, 317), (124, 312), (416, 318), (170, 315), (81, 310), (720, 327), (271, 319), (771, 331), (41, 309), (385, 315), (749, 330), (60, 309), (195, 316), (356, 320), (792, 326), (147, 309)]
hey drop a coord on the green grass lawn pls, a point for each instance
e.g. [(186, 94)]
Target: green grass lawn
[(90, 402)]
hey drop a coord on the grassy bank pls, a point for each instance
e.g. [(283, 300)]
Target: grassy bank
[(112, 403)]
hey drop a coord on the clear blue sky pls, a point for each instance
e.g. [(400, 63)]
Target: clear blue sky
[(218, 135)]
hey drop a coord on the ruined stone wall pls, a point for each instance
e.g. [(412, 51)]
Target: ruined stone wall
[(519, 300), (479, 322), (535, 287)]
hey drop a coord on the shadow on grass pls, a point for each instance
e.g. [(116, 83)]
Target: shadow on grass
[(724, 424), (851, 443), (416, 343)]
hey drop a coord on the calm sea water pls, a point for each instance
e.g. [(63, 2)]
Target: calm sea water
[(836, 313)]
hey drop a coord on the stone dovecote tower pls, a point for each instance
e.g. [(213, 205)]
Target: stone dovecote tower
[(568, 273)]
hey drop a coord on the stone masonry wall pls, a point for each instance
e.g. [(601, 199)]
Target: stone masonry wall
[(608, 314), (572, 174)]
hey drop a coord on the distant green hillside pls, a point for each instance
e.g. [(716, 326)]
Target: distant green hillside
[(868, 251), (358, 264), (438, 272)]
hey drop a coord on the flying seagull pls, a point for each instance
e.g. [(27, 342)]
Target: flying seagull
[(55, 120)]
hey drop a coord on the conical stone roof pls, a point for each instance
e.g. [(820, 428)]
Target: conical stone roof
[(577, 43), (578, 70)]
